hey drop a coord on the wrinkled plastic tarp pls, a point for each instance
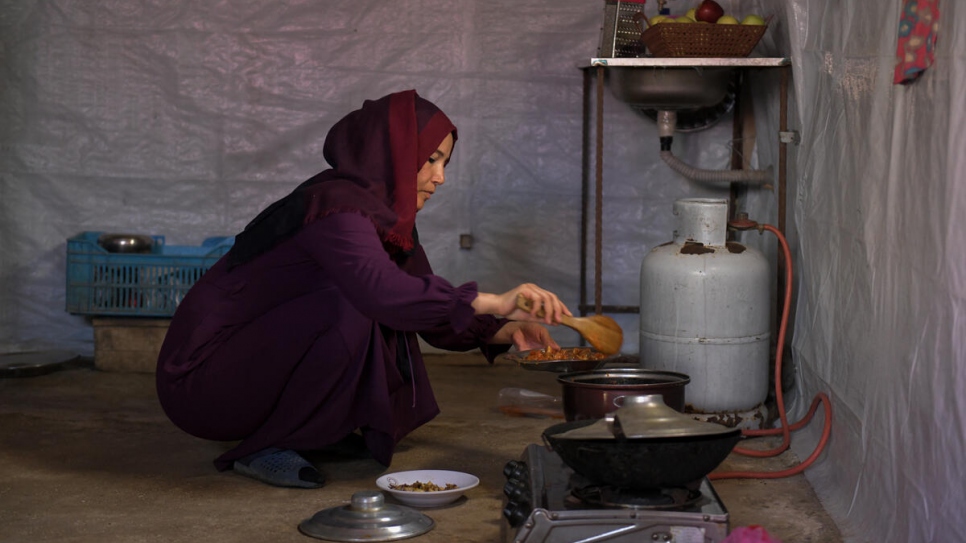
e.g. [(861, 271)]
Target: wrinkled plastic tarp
[(878, 207), (185, 119)]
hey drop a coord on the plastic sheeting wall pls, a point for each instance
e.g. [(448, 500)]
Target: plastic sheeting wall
[(881, 304), (185, 118)]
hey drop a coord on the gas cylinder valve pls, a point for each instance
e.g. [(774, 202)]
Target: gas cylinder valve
[(742, 222)]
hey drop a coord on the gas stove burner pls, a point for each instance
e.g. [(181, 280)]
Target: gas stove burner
[(655, 498), (545, 501)]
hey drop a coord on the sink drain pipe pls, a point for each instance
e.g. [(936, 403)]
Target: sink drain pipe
[(666, 122)]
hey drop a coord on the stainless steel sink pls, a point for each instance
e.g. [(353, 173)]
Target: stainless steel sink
[(669, 88)]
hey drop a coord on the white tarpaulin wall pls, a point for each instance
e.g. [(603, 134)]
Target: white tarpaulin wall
[(184, 119)]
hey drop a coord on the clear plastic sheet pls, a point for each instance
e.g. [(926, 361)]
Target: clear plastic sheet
[(184, 119), (880, 301)]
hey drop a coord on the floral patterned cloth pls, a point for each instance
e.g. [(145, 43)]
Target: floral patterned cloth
[(916, 48)]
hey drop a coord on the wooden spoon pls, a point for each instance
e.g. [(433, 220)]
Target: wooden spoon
[(601, 331)]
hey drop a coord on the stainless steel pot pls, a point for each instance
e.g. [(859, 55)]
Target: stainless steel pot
[(593, 394)]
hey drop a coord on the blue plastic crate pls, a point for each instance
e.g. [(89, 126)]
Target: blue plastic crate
[(135, 285)]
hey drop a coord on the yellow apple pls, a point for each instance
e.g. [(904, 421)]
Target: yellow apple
[(752, 20), (658, 19), (684, 19), (690, 14), (727, 20)]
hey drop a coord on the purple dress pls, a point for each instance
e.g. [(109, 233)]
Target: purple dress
[(313, 340)]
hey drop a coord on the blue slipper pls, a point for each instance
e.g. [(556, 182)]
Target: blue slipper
[(280, 467)]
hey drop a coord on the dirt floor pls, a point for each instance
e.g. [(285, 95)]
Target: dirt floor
[(88, 456)]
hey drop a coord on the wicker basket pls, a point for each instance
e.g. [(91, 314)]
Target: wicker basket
[(702, 39)]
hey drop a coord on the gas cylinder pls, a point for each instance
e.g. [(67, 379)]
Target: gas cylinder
[(705, 311)]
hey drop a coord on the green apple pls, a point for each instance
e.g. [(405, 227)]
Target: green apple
[(727, 20), (752, 20), (690, 14)]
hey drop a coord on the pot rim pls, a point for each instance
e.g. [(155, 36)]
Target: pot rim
[(578, 378)]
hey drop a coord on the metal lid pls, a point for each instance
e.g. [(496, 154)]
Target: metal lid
[(646, 416), (367, 518)]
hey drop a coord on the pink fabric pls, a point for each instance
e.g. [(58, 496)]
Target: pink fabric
[(750, 534), (916, 48)]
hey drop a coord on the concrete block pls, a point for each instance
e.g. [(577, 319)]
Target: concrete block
[(128, 344)]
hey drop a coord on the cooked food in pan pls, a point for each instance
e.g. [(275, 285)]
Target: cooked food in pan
[(574, 353)]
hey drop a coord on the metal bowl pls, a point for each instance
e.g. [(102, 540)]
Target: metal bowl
[(669, 88), (126, 243)]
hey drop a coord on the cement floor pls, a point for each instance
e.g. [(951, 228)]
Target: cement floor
[(88, 456)]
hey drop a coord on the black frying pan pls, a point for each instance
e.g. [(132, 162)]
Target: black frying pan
[(641, 463)]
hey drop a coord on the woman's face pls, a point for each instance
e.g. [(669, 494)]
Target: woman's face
[(431, 175)]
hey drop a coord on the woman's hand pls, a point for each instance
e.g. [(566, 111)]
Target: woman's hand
[(505, 304), (525, 336)]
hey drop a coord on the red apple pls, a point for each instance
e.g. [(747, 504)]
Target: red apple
[(709, 11)]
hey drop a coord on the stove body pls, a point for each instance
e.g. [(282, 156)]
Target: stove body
[(541, 505)]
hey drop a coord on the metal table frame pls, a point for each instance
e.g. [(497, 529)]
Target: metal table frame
[(595, 70)]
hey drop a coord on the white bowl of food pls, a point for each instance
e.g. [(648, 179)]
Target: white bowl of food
[(427, 487)]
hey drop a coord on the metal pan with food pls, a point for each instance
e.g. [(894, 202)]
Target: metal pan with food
[(563, 360)]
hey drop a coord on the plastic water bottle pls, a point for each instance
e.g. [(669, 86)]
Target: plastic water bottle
[(520, 402)]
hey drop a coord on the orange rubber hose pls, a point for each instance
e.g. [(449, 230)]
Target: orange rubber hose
[(786, 428)]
